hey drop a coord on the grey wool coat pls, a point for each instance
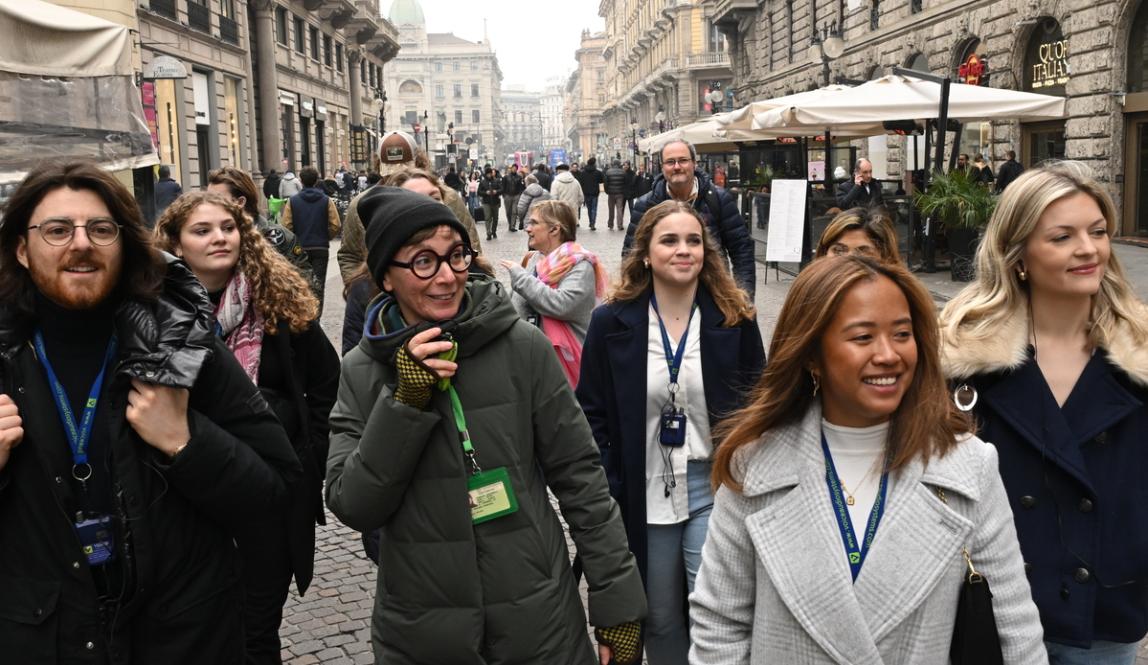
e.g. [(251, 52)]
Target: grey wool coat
[(775, 587), (573, 301), (451, 592)]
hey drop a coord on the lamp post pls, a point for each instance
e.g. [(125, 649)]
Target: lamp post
[(826, 47), (381, 99), (426, 131), (634, 138)]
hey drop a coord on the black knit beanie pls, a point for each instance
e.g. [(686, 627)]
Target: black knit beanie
[(392, 215)]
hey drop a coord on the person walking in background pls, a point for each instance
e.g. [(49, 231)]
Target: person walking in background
[(643, 183), (981, 172), (166, 189), (852, 498), (512, 188), (133, 448), (452, 180), (558, 283), (490, 188), (237, 185), (289, 185), (494, 573), (1009, 171), (534, 193), (591, 181), (543, 174), (567, 189), (1047, 348), (268, 319), (472, 192), (312, 215), (615, 186), (271, 185), (675, 347), (629, 188), (681, 180)]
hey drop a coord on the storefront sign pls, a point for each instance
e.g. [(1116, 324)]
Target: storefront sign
[(287, 98), (974, 70), (164, 67), (1052, 70)]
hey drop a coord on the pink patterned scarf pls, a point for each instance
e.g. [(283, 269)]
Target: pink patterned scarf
[(558, 263), (241, 324)]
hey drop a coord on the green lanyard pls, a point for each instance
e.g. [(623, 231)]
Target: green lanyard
[(463, 433)]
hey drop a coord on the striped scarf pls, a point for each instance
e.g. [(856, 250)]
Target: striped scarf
[(240, 324), (558, 263)]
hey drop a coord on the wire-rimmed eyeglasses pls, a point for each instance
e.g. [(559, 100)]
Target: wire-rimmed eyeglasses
[(60, 232)]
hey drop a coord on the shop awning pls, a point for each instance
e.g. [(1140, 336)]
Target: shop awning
[(67, 89), (706, 135), (897, 97)]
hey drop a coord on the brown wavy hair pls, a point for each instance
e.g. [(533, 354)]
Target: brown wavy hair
[(925, 424), (733, 303), (280, 292), (143, 266), (401, 176), (240, 184), (875, 224)]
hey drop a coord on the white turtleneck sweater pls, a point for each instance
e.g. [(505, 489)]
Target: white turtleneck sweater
[(858, 453)]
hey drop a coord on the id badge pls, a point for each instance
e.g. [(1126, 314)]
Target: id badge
[(672, 432), (491, 495), (97, 538)]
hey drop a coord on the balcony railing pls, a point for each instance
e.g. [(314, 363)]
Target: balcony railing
[(707, 59), (228, 30), (164, 8), (199, 16)]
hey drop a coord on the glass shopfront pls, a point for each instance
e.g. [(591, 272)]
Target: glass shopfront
[(1046, 71)]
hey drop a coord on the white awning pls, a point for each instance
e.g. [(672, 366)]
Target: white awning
[(48, 40)]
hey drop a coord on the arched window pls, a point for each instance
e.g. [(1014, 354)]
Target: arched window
[(410, 87), (1138, 51), (919, 62)]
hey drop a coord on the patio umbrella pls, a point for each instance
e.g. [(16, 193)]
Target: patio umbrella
[(702, 134), (898, 97), (742, 118)]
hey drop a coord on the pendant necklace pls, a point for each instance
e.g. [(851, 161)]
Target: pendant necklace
[(849, 495)]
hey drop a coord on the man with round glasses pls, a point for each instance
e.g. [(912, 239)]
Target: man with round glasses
[(132, 445), (453, 420)]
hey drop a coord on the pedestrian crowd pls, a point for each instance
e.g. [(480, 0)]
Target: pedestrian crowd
[(173, 420)]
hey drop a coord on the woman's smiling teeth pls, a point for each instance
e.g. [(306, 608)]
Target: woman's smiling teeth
[(881, 380)]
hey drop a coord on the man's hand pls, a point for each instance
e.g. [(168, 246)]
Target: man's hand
[(857, 179), (11, 428), (159, 415)]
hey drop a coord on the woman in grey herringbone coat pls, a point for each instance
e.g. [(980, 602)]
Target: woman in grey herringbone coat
[(850, 491)]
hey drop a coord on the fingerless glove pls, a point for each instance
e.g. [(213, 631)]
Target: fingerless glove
[(415, 379), (625, 640)]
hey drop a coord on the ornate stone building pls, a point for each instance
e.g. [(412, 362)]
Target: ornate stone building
[(522, 122), (439, 79), (585, 99), (667, 65), (553, 134), (1095, 53)]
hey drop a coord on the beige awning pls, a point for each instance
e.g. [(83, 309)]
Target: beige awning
[(48, 40)]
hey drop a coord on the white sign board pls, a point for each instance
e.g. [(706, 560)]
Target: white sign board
[(165, 67), (786, 220)]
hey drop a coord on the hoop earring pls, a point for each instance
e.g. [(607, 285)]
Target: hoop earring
[(816, 383)]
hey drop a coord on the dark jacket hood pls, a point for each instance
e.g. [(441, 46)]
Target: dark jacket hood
[(486, 313), (312, 194)]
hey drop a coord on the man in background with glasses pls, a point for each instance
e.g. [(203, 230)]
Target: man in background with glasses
[(682, 180), (132, 445)]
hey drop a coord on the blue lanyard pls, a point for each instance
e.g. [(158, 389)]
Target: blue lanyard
[(855, 551), (673, 360), (79, 434)]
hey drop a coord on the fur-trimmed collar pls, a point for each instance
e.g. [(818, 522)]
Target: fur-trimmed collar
[(964, 355)]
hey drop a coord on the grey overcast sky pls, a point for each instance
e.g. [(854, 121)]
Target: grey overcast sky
[(534, 40)]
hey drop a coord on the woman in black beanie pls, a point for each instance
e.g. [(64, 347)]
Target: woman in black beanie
[(452, 422)]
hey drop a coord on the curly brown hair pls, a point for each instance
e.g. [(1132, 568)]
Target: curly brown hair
[(280, 292), (733, 303)]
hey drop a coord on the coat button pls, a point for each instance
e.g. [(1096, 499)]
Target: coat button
[(1064, 593), (1082, 575), (1101, 438), (20, 390), (89, 645), (1086, 505), (76, 565), (1027, 501), (38, 613), (59, 480)]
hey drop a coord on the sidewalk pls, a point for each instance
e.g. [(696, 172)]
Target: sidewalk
[(1133, 258)]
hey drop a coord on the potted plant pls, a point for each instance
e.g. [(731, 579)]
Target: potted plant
[(964, 207)]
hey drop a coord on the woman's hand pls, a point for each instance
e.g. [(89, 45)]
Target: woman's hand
[(423, 347), (605, 653), (507, 264)]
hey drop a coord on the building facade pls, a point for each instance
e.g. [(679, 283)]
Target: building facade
[(551, 102), (271, 84), (585, 98), (522, 122), (446, 84), (667, 65), (1094, 53)]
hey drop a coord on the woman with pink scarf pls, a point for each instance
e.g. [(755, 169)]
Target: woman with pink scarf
[(559, 282)]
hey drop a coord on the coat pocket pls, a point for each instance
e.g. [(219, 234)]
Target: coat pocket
[(29, 624)]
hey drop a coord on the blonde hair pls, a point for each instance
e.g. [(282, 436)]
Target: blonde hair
[(280, 292), (980, 310), (733, 303), (555, 213)]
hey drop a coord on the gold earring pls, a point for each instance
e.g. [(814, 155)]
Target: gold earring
[(647, 264), (816, 383), (1022, 274)]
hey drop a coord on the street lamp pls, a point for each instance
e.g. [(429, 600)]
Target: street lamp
[(660, 117), (715, 98), (634, 137), (426, 131), (825, 47)]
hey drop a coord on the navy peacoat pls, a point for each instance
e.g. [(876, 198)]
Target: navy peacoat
[(612, 391)]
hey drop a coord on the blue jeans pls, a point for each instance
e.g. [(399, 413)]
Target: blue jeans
[(592, 209), (1101, 653), (672, 560)]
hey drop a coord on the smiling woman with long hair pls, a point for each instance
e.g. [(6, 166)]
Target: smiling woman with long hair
[(1048, 348), (673, 350), (850, 489), (268, 318)]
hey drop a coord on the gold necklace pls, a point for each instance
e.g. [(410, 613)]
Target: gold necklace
[(849, 495)]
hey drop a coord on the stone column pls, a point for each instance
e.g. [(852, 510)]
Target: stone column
[(269, 129), (354, 56)]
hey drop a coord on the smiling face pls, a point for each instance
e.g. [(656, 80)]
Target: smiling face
[(436, 299), (209, 243), (1067, 252), (677, 250), (80, 274), (678, 167), (868, 355)]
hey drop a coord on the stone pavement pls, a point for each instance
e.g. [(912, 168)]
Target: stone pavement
[(331, 624)]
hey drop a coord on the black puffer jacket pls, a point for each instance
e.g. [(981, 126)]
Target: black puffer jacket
[(615, 180), (175, 519)]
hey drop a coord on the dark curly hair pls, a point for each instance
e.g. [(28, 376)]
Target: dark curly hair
[(143, 267)]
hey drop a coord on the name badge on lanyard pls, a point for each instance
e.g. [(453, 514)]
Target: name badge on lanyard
[(489, 492), (672, 423), (855, 551)]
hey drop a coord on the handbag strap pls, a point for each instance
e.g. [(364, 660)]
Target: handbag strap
[(973, 577)]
